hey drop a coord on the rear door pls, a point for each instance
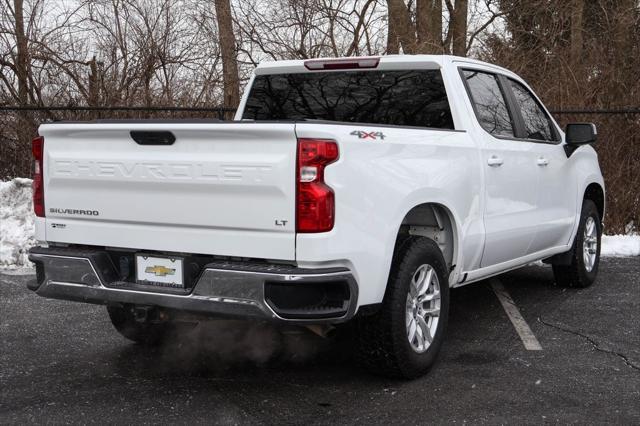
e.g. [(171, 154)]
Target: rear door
[(220, 188), (511, 184)]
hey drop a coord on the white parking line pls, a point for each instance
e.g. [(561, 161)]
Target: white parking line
[(524, 331)]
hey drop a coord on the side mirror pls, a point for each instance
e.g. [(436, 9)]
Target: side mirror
[(581, 133), (578, 134)]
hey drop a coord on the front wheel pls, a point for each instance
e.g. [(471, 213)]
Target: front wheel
[(585, 253), (403, 338)]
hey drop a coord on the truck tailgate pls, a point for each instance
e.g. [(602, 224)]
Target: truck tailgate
[(220, 188)]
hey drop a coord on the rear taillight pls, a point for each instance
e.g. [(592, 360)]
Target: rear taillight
[(315, 202), (37, 148)]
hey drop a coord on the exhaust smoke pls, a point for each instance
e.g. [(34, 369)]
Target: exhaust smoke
[(225, 344)]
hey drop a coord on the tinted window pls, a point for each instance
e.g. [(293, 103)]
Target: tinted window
[(490, 105), (537, 123), (409, 98)]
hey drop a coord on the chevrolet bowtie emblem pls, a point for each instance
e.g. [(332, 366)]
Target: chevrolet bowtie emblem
[(159, 271)]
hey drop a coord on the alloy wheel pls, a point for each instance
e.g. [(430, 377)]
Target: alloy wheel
[(423, 308)]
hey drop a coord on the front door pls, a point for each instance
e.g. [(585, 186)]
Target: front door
[(556, 200), (511, 184)]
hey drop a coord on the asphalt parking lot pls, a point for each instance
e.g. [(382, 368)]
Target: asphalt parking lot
[(62, 362)]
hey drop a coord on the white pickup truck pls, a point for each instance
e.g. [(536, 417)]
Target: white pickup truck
[(351, 190)]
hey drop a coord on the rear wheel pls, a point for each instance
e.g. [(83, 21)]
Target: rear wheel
[(585, 254), (403, 338)]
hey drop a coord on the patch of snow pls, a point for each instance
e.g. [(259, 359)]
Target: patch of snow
[(620, 245), (18, 271), (16, 223)]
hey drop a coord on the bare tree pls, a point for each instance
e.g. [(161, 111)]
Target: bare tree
[(577, 45), (419, 29), (283, 29), (18, 155), (22, 60), (457, 32), (401, 29), (228, 51), (429, 26)]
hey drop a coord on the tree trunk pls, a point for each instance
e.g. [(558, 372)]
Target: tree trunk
[(624, 74), (577, 9), (393, 44), (94, 83), (93, 99), (22, 60), (429, 26), (401, 29), (228, 49), (459, 28), (25, 128)]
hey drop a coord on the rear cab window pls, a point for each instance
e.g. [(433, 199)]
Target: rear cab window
[(403, 98)]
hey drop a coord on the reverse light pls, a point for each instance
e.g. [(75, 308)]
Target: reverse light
[(342, 64), (315, 201), (37, 149)]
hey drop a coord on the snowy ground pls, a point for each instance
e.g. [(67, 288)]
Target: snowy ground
[(17, 228), (16, 223), (620, 245)]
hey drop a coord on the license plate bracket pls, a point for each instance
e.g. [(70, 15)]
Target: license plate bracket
[(160, 271)]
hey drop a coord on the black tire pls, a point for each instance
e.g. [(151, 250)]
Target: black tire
[(576, 274), (382, 343), (145, 333)]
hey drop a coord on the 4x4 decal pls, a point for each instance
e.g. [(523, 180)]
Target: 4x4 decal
[(368, 135)]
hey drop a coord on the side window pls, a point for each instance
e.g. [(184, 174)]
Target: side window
[(537, 123), (489, 103)]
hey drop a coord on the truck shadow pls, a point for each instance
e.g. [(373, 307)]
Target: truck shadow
[(478, 330)]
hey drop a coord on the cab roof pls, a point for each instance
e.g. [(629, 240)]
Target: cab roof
[(388, 62)]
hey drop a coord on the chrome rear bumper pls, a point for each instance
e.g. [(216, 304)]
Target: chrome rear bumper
[(223, 288)]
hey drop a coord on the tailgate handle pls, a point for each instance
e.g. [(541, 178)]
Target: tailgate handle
[(152, 137)]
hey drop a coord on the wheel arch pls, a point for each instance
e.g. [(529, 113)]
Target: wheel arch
[(595, 192), (435, 221)]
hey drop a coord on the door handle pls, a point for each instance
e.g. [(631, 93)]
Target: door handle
[(495, 161), (542, 162)]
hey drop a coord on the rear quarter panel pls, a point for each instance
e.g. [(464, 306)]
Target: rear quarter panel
[(377, 182)]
